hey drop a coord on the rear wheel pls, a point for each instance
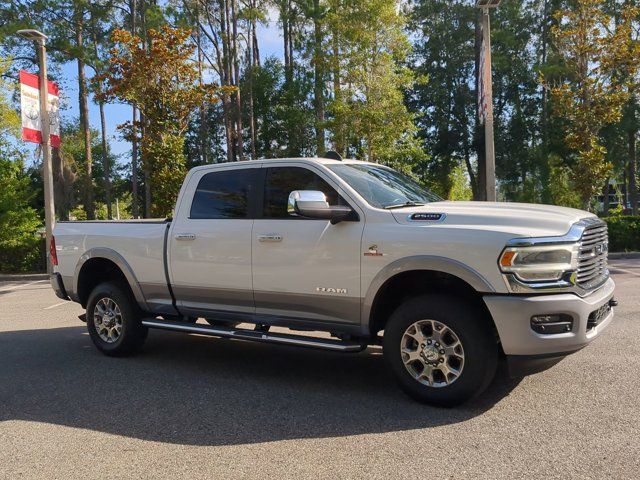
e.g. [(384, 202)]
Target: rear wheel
[(114, 320), (440, 349)]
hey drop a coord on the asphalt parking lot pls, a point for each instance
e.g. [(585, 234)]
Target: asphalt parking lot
[(198, 407)]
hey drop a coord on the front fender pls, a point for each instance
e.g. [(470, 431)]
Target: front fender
[(422, 262)]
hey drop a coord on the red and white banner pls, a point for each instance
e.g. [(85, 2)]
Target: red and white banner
[(30, 108)]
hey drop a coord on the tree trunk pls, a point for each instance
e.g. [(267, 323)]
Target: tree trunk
[(236, 69), (146, 172), (481, 190), (633, 172), (472, 174), (105, 146), (338, 142), (318, 78), (545, 101), (84, 116), (143, 130), (202, 132), (147, 194), (256, 47), (61, 185), (105, 162), (286, 33), (135, 211), (605, 201), (225, 75), (250, 67)]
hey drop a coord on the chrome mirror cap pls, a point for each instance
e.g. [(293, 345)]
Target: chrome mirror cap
[(307, 199)]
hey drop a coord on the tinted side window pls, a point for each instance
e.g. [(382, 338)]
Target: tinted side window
[(223, 195), (281, 181)]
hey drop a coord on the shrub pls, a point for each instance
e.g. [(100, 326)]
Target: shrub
[(624, 233), (20, 241)]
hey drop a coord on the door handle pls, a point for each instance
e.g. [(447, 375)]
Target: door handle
[(270, 237), (185, 236)]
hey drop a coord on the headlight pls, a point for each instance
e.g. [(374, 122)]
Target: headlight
[(537, 264)]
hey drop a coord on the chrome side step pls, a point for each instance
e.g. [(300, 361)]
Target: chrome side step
[(256, 336)]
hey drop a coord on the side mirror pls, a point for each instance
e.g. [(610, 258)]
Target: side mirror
[(313, 204)]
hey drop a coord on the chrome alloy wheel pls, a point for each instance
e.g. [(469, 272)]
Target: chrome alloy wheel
[(107, 319), (432, 353)]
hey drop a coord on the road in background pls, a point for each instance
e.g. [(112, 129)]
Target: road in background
[(199, 407)]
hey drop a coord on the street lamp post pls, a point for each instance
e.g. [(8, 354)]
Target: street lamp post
[(490, 155), (40, 39)]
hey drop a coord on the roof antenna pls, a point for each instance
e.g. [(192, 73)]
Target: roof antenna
[(333, 155)]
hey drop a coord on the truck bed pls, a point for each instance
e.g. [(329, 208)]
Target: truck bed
[(140, 244)]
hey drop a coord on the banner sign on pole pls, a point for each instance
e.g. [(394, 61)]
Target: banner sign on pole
[(30, 108)]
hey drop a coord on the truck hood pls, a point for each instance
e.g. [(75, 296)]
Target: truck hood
[(519, 219)]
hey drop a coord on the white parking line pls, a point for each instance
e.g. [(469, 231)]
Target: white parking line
[(54, 306), (6, 289)]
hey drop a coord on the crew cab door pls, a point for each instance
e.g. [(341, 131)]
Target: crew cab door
[(210, 243), (306, 270)]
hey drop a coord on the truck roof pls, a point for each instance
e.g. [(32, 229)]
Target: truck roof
[(323, 161)]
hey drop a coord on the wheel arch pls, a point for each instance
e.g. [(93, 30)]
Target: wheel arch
[(412, 276), (100, 265)]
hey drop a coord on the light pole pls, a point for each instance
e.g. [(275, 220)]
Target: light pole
[(487, 94), (40, 39)]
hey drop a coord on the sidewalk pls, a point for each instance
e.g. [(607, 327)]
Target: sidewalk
[(623, 255), (23, 277)]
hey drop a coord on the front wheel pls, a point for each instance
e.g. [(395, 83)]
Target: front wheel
[(114, 320), (441, 351)]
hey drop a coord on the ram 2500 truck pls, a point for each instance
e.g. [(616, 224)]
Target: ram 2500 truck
[(354, 249)]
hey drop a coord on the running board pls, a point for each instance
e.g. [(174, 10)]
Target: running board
[(256, 336)]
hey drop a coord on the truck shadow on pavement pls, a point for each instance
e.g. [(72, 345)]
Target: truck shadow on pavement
[(201, 391)]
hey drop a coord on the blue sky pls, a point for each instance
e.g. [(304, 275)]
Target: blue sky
[(270, 44)]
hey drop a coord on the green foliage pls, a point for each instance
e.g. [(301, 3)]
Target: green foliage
[(19, 223), (443, 102), (561, 184), (601, 65), (283, 110), (388, 81), (73, 161), (367, 50), (160, 79), (624, 234), (78, 213), (165, 157), (460, 187)]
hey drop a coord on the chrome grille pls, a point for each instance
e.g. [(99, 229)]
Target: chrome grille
[(592, 260)]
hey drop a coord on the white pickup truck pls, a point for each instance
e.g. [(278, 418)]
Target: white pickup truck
[(353, 249)]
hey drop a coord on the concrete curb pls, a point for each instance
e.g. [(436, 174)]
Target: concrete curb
[(23, 277), (623, 255)]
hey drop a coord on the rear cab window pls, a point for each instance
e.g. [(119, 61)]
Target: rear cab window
[(227, 194)]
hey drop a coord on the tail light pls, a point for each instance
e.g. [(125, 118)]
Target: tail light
[(52, 252)]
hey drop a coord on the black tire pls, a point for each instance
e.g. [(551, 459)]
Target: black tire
[(473, 330), (132, 333)]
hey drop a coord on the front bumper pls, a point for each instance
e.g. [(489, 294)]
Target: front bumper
[(512, 316)]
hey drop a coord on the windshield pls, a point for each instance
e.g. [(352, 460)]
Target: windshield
[(383, 187)]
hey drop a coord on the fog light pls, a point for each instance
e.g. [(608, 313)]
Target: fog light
[(551, 324)]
